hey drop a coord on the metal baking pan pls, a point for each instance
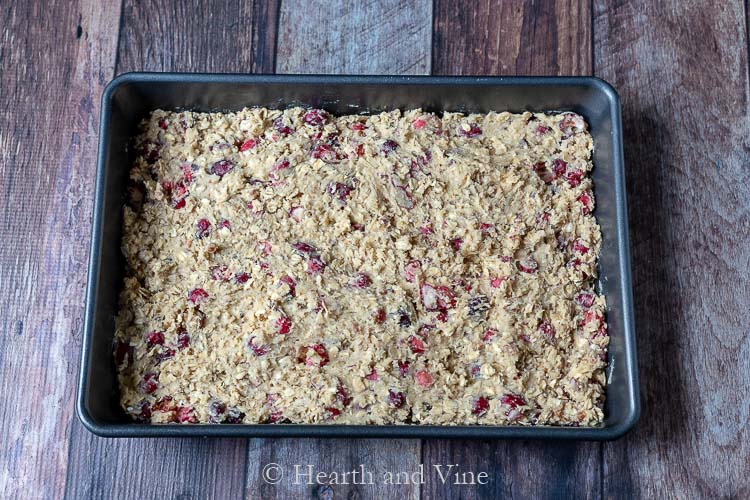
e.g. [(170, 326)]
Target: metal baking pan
[(130, 97)]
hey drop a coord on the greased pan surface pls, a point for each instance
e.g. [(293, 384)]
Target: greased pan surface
[(130, 97)]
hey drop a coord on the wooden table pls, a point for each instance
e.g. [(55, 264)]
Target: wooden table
[(681, 67)]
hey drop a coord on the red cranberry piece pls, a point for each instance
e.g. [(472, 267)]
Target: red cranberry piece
[(590, 316), (222, 167), (585, 299), (426, 230), (586, 199), (183, 339), (187, 172), (358, 126), (150, 383), (332, 413), (411, 269), (416, 345), (179, 204), (418, 124), (144, 413), (373, 375), (315, 265), (546, 328), (480, 407), (283, 325), (216, 412), (572, 124), (281, 128), (512, 400), (304, 248), (573, 176), (257, 350), (124, 352), (497, 281), (424, 378), (289, 281), (527, 265), (436, 298), (204, 227), (221, 273), (489, 335), (340, 190), (579, 247), (150, 152), (469, 130), (388, 147), (315, 117), (197, 295), (475, 371), (321, 351), (361, 280), (456, 244), (542, 129), (396, 399), (325, 153), (342, 395), (185, 415), (379, 317), (164, 355), (540, 168), (559, 167), (154, 338), (403, 367), (162, 123), (485, 227), (248, 145)]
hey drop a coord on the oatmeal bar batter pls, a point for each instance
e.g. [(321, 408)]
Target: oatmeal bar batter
[(398, 268)]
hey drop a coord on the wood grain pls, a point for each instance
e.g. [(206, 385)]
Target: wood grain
[(681, 70), (189, 35), (230, 36), (364, 37), (496, 37), (301, 460), (51, 76)]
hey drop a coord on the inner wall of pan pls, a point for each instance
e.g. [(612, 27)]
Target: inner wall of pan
[(132, 102)]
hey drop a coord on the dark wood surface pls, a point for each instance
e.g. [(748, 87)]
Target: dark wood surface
[(681, 67)]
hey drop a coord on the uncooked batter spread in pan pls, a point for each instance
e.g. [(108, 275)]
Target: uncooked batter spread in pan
[(401, 268)]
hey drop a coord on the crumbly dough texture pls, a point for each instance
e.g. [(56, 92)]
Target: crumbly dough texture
[(406, 267)]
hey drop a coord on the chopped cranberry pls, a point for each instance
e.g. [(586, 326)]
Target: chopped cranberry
[(225, 224), (571, 124), (442, 316), (573, 176), (426, 230), (289, 281), (559, 167), (248, 144), (527, 265), (123, 352), (150, 152), (416, 345), (204, 228), (489, 335), (358, 126), (373, 375), (296, 213), (150, 382), (216, 411), (154, 338), (183, 339), (283, 325), (273, 418), (585, 299), (163, 404), (279, 126), (361, 280), (424, 378), (512, 400), (220, 273), (325, 153), (418, 124), (144, 415), (546, 328), (540, 168), (579, 247), (586, 200), (411, 269), (321, 351), (342, 395), (315, 265), (340, 190), (185, 415), (480, 407), (197, 295), (542, 129), (332, 413), (360, 150), (304, 248), (388, 147), (436, 298), (456, 244), (164, 355), (315, 117), (469, 130), (474, 371), (574, 263), (162, 124), (590, 316), (497, 281), (257, 350), (222, 167), (403, 367), (178, 204), (379, 316), (600, 332), (485, 227), (396, 399)]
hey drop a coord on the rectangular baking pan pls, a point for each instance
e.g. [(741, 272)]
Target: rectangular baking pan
[(130, 97)]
